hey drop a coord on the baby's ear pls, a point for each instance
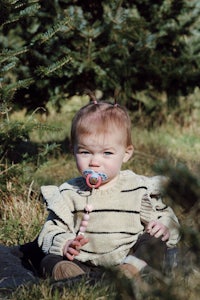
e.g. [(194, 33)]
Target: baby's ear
[(128, 153)]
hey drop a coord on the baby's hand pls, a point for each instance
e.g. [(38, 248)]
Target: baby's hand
[(157, 229), (72, 247)]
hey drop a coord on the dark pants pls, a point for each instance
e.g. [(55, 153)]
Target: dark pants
[(31, 256), (150, 249)]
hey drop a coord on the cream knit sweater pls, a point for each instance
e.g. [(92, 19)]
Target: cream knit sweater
[(118, 216)]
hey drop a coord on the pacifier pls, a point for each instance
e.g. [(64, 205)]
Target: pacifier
[(94, 179)]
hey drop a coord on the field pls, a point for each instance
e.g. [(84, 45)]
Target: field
[(23, 212)]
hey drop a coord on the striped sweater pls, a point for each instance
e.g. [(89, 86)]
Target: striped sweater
[(118, 217)]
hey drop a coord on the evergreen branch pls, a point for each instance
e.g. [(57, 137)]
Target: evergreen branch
[(19, 84), (6, 96), (9, 66), (5, 107), (27, 12), (13, 2), (7, 54), (60, 26), (14, 20), (47, 127), (19, 5), (42, 71), (30, 10)]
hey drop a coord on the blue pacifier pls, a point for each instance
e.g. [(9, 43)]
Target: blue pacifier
[(94, 179)]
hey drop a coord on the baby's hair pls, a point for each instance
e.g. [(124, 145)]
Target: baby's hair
[(99, 117), (91, 95)]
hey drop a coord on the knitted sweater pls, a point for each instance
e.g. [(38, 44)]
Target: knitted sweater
[(118, 217)]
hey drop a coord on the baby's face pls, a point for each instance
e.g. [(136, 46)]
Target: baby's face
[(103, 153)]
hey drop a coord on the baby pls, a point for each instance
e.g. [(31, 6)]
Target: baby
[(106, 217)]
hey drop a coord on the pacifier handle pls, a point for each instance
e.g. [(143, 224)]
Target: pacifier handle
[(97, 184)]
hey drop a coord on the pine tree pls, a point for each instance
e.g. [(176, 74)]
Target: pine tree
[(127, 46), (15, 144)]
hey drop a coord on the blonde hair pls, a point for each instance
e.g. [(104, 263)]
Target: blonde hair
[(101, 117)]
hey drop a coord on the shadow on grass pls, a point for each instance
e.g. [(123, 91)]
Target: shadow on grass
[(26, 149)]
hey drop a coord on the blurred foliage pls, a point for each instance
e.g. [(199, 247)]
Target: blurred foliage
[(19, 155), (183, 188), (54, 49)]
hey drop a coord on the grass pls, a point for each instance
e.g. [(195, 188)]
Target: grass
[(23, 213), (77, 292)]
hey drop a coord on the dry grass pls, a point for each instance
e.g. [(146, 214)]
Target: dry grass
[(21, 217)]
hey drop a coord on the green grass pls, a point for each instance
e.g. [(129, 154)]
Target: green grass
[(77, 292), (23, 213)]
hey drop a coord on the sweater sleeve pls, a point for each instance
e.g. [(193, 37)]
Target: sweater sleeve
[(153, 208), (58, 228)]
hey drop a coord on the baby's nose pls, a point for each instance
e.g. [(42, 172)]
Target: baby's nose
[(94, 162)]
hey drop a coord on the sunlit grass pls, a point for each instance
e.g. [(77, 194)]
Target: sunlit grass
[(21, 217), (168, 143), (79, 291)]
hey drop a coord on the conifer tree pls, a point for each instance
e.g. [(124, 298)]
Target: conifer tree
[(15, 145), (130, 46)]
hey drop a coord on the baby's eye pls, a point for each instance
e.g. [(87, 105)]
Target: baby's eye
[(108, 153), (84, 152)]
